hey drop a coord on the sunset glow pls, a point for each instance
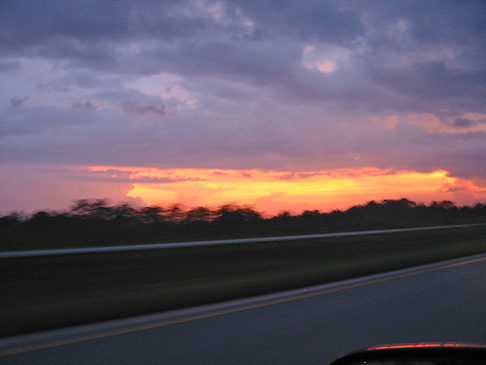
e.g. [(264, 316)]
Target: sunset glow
[(272, 192)]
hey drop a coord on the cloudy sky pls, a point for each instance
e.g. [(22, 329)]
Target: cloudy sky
[(277, 104)]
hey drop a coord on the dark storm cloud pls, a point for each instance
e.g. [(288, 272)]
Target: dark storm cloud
[(32, 122), (86, 105), (133, 102), (306, 176), (254, 101), (114, 36), (289, 176), (464, 153), (89, 35), (118, 176), (254, 62), (466, 123), (429, 22), (135, 109), (8, 66), (26, 23), (431, 86), (81, 79), (306, 19), (427, 52), (15, 101), (29, 24)]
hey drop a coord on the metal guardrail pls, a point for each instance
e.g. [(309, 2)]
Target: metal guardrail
[(157, 246)]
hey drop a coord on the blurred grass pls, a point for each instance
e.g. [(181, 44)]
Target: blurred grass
[(56, 291)]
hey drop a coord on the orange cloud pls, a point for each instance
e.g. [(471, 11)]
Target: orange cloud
[(274, 191)]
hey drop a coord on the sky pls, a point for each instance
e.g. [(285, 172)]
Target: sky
[(280, 105)]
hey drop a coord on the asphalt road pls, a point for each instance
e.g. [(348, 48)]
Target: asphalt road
[(440, 302)]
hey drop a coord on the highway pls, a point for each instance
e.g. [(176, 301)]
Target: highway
[(438, 302)]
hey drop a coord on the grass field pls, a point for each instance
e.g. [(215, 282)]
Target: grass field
[(55, 291)]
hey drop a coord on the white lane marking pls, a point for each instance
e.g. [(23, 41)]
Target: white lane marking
[(155, 246), (18, 344)]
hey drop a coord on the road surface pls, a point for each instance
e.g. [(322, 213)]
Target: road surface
[(439, 302)]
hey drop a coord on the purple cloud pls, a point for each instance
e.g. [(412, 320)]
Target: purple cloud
[(87, 105), (133, 108), (15, 102), (290, 176), (236, 74), (466, 123), (7, 66)]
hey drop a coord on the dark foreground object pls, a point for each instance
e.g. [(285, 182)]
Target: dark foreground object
[(420, 354), (444, 305), (40, 293), (93, 223)]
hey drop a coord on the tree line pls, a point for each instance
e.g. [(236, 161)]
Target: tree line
[(95, 222)]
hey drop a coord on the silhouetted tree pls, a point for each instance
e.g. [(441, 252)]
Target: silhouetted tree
[(200, 214), (93, 221)]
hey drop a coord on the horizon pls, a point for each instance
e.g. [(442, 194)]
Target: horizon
[(267, 191), (183, 209), (310, 105)]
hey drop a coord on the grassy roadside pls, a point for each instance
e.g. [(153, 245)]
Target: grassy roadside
[(56, 291)]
